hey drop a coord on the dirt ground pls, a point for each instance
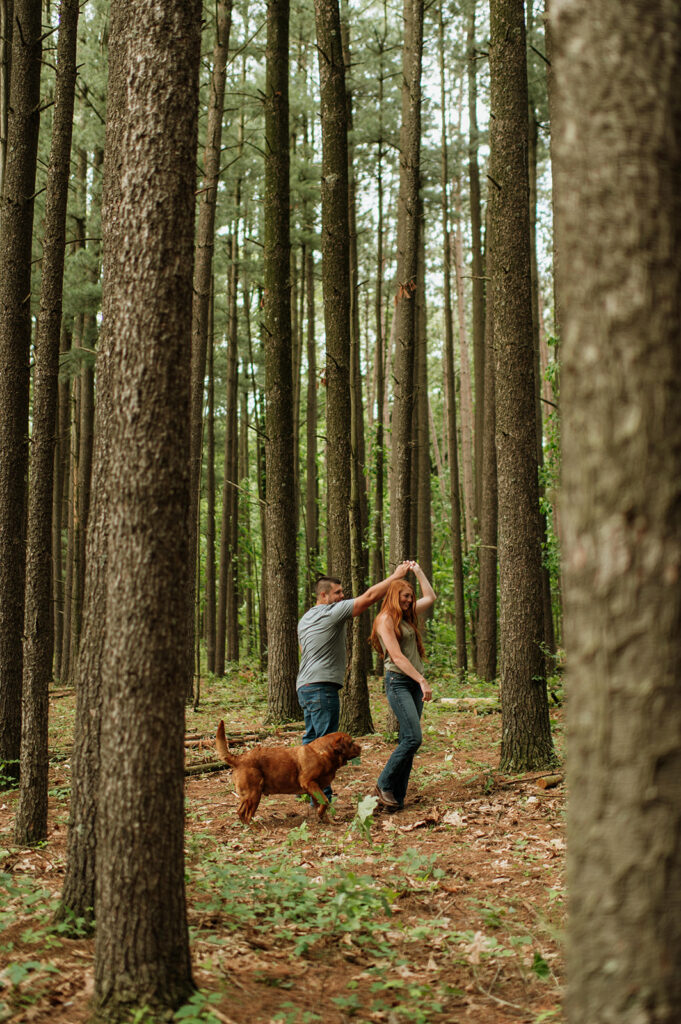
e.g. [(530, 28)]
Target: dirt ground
[(450, 910)]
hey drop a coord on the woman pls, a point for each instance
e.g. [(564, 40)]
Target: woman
[(396, 637)]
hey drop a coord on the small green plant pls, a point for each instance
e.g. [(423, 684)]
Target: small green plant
[(420, 865), (364, 817), (292, 1014), (197, 1009)]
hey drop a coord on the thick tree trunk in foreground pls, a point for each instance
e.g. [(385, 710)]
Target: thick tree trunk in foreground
[(31, 821), (282, 573), (617, 69), (526, 734), (142, 947), (16, 229)]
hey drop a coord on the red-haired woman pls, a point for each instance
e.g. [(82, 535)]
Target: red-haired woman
[(396, 636)]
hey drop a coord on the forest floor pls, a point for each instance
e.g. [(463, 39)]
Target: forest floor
[(450, 910)]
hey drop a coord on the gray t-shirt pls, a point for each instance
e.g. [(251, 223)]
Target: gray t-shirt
[(321, 634)]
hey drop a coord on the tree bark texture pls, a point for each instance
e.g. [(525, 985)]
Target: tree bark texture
[(6, 19), (311, 473), (618, 157), (452, 434), (477, 268), (282, 572), (31, 820), (526, 735), (209, 612), (407, 262), (142, 948), (59, 512), (16, 229), (203, 270), (335, 283), (486, 633)]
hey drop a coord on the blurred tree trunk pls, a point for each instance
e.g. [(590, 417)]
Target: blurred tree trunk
[(282, 574), (31, 819), (618, 119), (16, 232), (526, 733)]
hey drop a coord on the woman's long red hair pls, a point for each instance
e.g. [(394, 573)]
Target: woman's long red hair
[(391, 606)]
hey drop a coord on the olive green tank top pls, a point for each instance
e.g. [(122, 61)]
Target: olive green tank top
[(407, 642)]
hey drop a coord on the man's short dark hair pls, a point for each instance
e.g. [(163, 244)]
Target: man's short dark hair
[(324, 584)]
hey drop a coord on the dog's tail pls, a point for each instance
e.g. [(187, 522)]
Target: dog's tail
[(222, 746)]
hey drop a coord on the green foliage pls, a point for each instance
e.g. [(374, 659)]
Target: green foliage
[(304, 911), (197, 1009), (364, 817)]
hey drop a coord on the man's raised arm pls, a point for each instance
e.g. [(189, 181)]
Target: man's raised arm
[(378, 590)]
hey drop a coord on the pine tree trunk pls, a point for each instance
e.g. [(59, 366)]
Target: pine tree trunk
[(203, 270), (6, 22), (78, 891), (355, 716), (335, 283), (424, 511), (31, 819), (59, 501), (282, 574), (549, 638), (246, 575), (209, 582), (467, 432), (618, 120), (142, 947), (486, 634), (16, 228), (311, 474), (231, 490), (378, 548), (526, 734), (71, 530), (407, 264), (455, 506), (477, 267)]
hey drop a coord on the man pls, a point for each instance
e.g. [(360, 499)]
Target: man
[(321, 635)]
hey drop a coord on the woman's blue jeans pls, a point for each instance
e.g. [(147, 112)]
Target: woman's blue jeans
[(321, 707), (406, 699)]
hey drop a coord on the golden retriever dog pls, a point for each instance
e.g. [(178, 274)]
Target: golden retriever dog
[(304, 769)]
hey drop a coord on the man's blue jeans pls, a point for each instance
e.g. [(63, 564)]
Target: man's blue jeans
[(406, 699), (321, 707)]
